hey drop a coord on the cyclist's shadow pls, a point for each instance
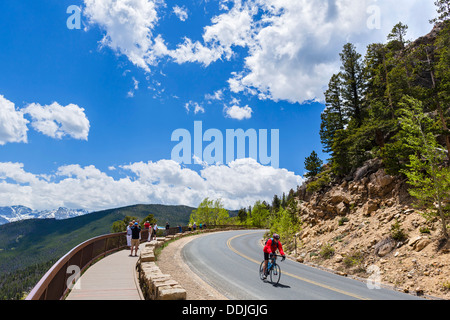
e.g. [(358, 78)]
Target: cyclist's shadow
[(279, 285)]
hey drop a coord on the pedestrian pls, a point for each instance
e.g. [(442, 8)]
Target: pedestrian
[(135, 236), (146, 225), (194, 226), (150, 231), (155, 230), (138, 222), (129, 234), (167, 228)]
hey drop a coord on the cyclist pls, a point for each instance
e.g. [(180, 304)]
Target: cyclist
[(272, 245)]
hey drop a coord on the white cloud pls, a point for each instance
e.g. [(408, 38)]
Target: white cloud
[(136, 84), (239, 113), (217, 95), (195, 52), (292, 46), (13, 125), (295, 52), (16, 172), (180, 12), (128, 25), (54, 121), (233, 28), (57, 121), (194, 105), (240, 183), (130, 93)]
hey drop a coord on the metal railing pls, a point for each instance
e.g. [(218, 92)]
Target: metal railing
[(55, 284)]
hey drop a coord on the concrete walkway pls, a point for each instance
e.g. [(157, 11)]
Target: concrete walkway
[(112, 278)]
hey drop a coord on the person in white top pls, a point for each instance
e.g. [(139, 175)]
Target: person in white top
[(129, 234)]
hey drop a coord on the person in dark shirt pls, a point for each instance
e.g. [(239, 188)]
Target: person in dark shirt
[(135, 235)]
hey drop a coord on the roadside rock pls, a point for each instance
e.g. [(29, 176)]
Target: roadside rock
[(421, 244), (385, 246)]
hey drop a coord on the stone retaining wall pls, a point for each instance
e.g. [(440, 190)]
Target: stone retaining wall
[(154, 284)]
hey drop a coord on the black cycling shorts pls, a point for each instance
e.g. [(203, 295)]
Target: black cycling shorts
[(266, 256)]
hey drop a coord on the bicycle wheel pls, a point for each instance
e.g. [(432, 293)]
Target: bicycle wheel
[(261, 271), (275, 274)]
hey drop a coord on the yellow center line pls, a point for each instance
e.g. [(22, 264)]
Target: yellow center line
[(290, 274)]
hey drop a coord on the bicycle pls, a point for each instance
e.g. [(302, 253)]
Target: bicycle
[(273, 270)]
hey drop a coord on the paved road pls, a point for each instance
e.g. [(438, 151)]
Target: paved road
[(229, 261)]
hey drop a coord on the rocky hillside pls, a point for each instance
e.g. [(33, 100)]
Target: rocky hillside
[(367, 223)]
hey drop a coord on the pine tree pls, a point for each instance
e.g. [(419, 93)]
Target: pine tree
[(398, 34), (276, 203), (352, 82), (427, 173), (377, 81), (442, 82), (313, 164), (242, 215), (328, 127), (398, 59), (443, 9), (334, 116), (379, 101), (333, 100), (283, 201)]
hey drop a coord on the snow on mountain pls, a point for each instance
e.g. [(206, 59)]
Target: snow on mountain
[(17, 213), (61, 213)]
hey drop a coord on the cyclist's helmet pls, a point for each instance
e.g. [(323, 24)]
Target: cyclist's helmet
[(276, 236)]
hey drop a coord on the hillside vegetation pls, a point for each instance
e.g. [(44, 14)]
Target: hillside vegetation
[(29, 248)]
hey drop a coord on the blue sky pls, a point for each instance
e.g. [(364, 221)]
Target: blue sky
[(87, 114)]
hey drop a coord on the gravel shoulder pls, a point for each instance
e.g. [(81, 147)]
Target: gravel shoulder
[(170, 261)]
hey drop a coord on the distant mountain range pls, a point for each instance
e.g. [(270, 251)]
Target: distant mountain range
[(18, 213), (31, 241), (29, 247)]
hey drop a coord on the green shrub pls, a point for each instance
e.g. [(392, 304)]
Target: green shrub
[(397, 233), (323, 179), (352, 259), (327, 251), (446, 285), (343, 220), (424, 230)]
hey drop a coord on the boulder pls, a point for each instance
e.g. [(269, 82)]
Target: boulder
[(385, 246), (412, 242), (369, 207), (421, 244), (368, 167), (337, 196), (341, 209), (380, 184)]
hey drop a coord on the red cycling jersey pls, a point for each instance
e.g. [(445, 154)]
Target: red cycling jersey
[(271, 247)]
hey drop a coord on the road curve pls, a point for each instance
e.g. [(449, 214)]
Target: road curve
[(229, 261)]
